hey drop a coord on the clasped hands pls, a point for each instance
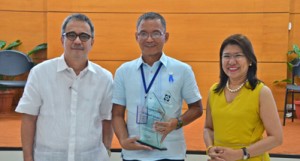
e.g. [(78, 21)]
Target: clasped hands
[(218, 153)]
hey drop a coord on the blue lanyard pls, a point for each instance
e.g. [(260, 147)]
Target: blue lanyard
[(151, 82)]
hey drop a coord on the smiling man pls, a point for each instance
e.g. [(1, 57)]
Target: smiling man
[(151, 90), (66, 103)]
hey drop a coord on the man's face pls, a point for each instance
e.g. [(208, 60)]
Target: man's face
[(151, 37), (77, 48)]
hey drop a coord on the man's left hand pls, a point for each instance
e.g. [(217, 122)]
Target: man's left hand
[(164, 128)]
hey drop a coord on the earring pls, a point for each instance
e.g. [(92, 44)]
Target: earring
[(250, 64)]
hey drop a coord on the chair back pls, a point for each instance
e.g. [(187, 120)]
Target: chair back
[(13, 63)]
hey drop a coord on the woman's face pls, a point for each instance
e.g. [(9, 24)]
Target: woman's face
[(234, 62)]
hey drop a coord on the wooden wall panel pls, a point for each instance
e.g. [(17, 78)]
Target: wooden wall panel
[(207, 73), (295, 31), (110, 65), (268, 73), (23, 5), (177, 6), (29, 27), (189, 38), (294, 6), (196, 28), (294, 34), (112, 42), (268, 33)]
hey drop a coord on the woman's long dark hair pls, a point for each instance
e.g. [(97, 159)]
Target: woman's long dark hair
[(244, 43)]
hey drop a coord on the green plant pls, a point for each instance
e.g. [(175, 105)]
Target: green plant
[(13, 46), (17, 43), (293, 57)]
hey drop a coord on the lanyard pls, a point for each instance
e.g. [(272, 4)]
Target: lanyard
[(151, 82)]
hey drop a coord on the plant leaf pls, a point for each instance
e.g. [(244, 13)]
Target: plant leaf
[(38, 48), (13, 45), (296, 50), (290, 66), (290, 52), (2, 44), (283, 80)]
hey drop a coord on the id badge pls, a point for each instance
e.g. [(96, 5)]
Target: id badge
[(141, 115)]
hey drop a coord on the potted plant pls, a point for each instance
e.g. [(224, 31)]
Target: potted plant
[(293, 58), (7, 95)]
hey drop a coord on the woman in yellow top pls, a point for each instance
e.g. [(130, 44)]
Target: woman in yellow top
[(240, 108)]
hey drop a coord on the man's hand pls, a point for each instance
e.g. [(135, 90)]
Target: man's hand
[(164, 128), (131, 144)]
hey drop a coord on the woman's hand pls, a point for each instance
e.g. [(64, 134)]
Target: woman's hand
[(227, 154), (214, 153)]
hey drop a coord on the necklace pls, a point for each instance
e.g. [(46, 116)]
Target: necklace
[(234, 90)]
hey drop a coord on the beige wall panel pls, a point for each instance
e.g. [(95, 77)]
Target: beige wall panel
[(178, 6), (29, 27), (208, 73), (23, 5), (193, 37)]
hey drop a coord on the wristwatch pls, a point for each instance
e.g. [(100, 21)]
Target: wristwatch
[(179, 123), (246, 155)]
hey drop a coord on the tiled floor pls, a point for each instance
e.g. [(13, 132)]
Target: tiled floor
[(17, 156)]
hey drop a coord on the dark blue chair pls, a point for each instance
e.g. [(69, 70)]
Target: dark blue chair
[(14, 63), (292, 89)]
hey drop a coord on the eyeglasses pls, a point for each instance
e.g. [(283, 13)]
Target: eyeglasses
[(82, 36), (234, 56), (154, 35)]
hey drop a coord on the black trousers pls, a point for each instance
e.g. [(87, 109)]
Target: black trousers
[(157, 160)]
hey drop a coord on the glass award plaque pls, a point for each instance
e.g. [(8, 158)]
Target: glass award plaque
[(147, 115)]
